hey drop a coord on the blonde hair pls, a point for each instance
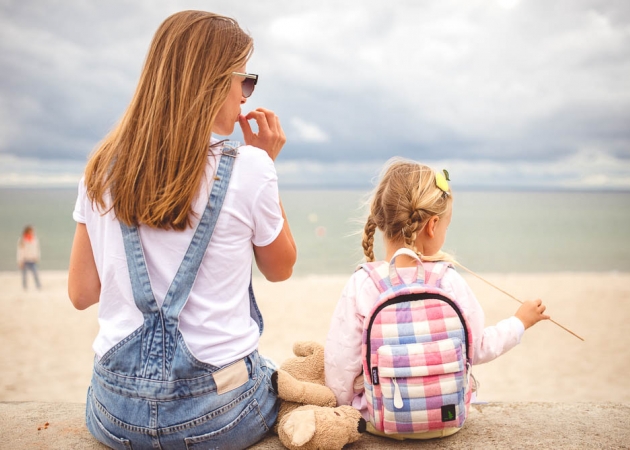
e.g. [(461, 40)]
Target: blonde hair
[(153, 162), (405, 199)]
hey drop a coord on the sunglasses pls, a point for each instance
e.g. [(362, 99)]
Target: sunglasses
[(248, 83)]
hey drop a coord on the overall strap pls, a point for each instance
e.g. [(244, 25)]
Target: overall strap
[(159, 334), (181, 286)]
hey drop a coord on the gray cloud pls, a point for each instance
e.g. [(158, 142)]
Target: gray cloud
[(508, 81)]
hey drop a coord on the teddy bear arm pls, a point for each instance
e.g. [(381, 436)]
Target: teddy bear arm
[(303, 392)]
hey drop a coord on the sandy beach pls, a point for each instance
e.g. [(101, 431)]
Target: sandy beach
[(46, 353)]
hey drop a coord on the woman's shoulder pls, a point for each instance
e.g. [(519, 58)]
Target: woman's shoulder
[(254, 165), (251, 153)]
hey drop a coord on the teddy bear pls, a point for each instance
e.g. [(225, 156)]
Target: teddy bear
[(309, 417)]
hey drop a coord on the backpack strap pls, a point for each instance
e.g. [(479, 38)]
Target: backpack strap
[(385, 275), (379, 274), (434, 272), (395, 278)]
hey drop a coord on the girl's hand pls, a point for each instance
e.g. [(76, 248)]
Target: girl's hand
[(270, 136), (531, 312)]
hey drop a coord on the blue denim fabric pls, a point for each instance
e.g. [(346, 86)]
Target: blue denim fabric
[(149, 391), (32, 266)]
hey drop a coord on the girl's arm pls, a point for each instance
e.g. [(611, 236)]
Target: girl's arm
[(531, 312), (342, 352), (489, 342), (277, 259), (84, 285)]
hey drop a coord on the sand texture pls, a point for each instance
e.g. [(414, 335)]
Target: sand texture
[(551, 391), (576, 426), (46, 353)]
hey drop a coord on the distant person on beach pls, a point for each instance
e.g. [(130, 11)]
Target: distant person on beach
[(412, 207), (169, 223), (28, 255)]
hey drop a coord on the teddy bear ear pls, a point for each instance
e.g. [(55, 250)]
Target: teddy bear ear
[(300, 427)]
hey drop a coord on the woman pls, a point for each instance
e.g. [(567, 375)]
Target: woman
[(28, 255), (169, 221)]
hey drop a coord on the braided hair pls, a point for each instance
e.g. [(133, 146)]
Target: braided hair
[(405, 199)]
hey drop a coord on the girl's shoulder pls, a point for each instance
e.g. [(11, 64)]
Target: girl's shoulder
[(453, 277), (361, 281), (361, 288), (457, 287)]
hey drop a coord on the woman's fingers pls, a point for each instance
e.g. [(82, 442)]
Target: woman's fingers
[(248, 133), (270, 136), (268, 122)]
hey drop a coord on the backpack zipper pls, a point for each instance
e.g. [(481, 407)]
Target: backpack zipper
[(398, 401), (408, 298)]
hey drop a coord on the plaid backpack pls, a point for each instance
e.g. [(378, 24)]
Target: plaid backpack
[(417, 354)]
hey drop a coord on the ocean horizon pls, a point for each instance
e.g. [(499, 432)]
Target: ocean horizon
[(510, 230)]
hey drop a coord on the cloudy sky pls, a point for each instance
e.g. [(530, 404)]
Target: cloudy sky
[(503, 93)]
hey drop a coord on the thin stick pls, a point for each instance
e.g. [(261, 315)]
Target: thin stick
[(511, 296)]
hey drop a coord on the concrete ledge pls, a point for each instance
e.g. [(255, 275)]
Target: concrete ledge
[(34, 425)]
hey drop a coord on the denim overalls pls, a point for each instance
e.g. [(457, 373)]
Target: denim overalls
[(149, 391)]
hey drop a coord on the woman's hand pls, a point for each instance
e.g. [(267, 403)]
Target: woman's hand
[(270, 136), (531, 312)]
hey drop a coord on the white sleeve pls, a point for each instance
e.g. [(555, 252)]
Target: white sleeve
[(266, 211), (488, 342), (79, 207), (268, 220), (342, 352)]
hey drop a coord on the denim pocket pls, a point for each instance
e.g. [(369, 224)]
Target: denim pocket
[(248, 428), (266, 370), (98, 430)]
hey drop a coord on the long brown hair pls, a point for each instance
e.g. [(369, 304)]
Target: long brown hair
[(153, 162), (403, 202)]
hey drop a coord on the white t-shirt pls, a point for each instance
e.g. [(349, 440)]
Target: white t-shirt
[(28, 251), (215, 322)]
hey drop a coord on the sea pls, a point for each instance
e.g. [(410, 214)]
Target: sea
[(491, 231)]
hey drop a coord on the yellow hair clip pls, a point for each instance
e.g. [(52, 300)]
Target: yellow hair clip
[(441, 180)]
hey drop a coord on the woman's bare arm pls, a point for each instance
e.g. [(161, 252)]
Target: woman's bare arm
[(277, 259), (84, 285)]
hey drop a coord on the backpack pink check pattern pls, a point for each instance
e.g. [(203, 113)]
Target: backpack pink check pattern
[(416, 354)]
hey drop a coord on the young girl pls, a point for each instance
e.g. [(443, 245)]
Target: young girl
[(169, 223), (412, 207)]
